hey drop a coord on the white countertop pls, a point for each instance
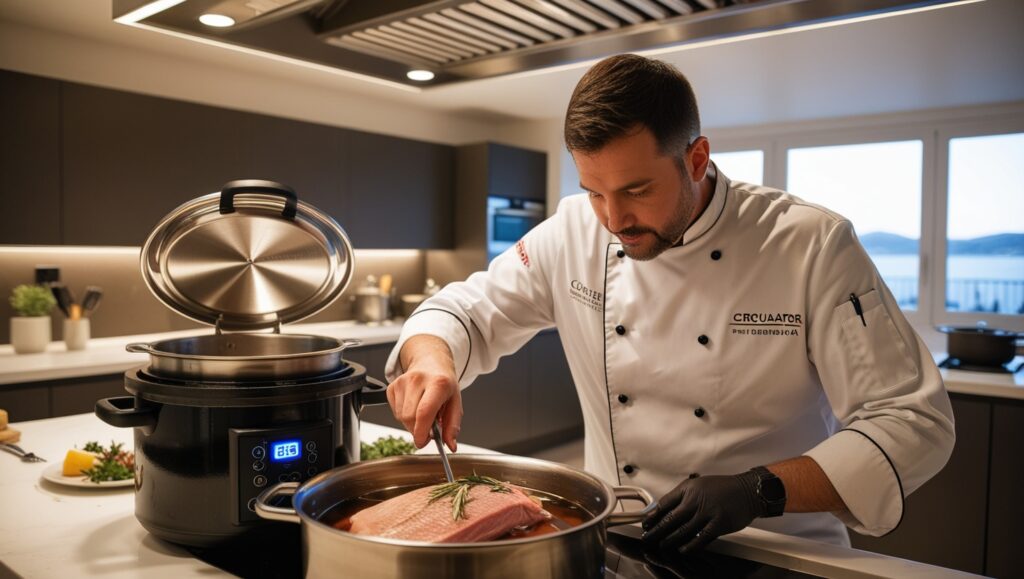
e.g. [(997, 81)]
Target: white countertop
[(49, 530), (108, 356), (984, 383)]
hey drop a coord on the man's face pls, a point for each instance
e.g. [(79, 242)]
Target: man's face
[(643, 197)]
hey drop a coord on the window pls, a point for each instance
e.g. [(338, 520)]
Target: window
[(985, 225), (746, 166), (877, 186)]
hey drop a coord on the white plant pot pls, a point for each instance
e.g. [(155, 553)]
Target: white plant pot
[(30, 334)]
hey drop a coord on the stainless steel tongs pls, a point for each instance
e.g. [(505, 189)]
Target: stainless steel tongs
[(440, 450)]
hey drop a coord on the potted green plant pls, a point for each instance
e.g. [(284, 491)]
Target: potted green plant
[(30, 328)]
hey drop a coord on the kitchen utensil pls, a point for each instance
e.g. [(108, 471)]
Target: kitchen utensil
[(91, 299), (19, 452), (574, 552), (385, 284), (244, 356), (217, 418), (979, 345), (63, 296), (441, 452), (370, 304)]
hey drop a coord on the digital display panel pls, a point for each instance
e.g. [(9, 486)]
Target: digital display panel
[(285, 450)]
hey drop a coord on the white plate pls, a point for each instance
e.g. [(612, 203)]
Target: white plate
[(53, 474)]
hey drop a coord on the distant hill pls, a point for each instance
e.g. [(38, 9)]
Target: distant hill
[(881, 243)]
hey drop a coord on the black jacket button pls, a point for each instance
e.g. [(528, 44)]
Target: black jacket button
[(623, 398), (620, 330), (699, 412), (628, 469), (716, 255), (694, 475), (620, 253), (703, 340)]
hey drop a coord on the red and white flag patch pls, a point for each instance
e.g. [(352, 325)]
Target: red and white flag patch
[(521, 250)]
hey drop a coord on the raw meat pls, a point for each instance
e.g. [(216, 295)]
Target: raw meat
[(488, 515)]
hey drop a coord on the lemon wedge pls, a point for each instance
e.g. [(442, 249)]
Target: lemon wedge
[(76, 461)]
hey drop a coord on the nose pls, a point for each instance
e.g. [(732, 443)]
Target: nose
[(619, 216)]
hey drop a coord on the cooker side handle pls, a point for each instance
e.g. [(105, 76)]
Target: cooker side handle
[(266, 510), (375, 392), (120, 411), (632, 493)]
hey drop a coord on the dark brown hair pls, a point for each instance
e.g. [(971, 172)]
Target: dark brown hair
[(625, 92)]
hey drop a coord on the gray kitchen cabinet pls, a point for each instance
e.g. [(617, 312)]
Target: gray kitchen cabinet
[(29, 159), (497, 406), (25, 401), (399, 193), (555, 414), (516, 172), (944, 521), (130, 159), (78, 395), (373, 358), (1005, 557)]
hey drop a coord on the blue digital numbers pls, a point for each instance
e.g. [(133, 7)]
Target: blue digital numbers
[(285, 450)]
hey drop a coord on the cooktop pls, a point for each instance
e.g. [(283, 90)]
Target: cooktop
[(955, 364), (275, 551)]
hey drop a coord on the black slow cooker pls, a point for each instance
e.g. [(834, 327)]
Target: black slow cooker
[(220, 417)]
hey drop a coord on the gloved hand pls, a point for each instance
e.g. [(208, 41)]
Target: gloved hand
[(700, 509)]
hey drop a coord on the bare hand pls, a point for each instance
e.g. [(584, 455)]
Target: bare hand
[(426, 390)]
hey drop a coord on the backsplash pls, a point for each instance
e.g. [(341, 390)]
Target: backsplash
[(129, 308)]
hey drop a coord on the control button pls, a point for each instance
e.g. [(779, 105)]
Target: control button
[(620, 253), (703, 340), (312, 457), (259, 481), (620, 329), (628, 469), (311, 446), (258, 452), (623, 398), (699, 412), (716, 255), (283, 477), (295, 477), (252, 504), (258, 465), (312, 470)]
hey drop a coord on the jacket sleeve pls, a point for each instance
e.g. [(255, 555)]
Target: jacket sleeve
[(882, 384), (494, 312)]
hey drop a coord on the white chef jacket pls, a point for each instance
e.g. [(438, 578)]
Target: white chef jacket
[(740, 347)]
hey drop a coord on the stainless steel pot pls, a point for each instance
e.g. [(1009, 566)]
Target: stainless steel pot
[(577, 552), (243, 356)]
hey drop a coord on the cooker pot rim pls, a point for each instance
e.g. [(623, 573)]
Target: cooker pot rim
[(305, 489), (154, 348)]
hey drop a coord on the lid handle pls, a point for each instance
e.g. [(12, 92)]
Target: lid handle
[(232, 188)]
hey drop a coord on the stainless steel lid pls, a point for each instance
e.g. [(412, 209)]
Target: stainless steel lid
[(249, 257)]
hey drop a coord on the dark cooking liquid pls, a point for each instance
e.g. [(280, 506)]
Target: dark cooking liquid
[(567, 513)]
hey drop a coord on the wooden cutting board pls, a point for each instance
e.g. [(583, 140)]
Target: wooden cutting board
[(10, 435), (3, 419)]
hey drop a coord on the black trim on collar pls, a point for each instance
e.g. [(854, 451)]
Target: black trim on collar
[(903, 498), (463, 324), (608, 392)]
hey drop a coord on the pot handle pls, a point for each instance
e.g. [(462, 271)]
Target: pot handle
[(232, 188), (139, 348), (632, 493), (349, 342), (267, 511), (120, 411), (375, 392)]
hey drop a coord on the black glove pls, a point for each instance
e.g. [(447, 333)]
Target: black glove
[(700, 509)]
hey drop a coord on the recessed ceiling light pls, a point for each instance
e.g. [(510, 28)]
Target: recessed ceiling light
[(420, 75), (217, 20)]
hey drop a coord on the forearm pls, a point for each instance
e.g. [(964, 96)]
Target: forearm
[(426, 347), (808, 489)]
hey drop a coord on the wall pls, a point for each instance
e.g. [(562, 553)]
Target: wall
[(128, 307)]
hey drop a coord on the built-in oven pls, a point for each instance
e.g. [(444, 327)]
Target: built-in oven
[(508, 219)]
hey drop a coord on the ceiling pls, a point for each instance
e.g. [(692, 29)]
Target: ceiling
[(960, 55)]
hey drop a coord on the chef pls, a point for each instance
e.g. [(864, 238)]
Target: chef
[(734, 349)]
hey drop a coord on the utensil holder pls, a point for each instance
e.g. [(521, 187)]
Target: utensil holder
[(76, 333)]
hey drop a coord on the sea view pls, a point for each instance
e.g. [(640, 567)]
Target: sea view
[(975, 283)]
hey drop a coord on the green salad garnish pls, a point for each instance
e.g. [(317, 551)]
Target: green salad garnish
[(385, 446)]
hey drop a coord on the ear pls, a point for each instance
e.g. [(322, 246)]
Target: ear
[(698, 158)]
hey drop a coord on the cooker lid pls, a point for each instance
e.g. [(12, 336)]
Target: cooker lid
[(249, 257)]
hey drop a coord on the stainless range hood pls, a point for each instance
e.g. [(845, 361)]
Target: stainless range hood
[(460, 40)]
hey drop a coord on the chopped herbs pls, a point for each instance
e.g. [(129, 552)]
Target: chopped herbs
[(115, 464), (458, 490), (385, 446)]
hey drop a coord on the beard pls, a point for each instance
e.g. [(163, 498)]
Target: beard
[(670, 236)]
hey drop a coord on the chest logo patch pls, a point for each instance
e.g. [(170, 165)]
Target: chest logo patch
[(765, 324), (591, 298), (521, 250)]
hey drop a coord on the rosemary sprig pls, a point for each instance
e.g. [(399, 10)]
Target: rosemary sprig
[(458, 490)]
